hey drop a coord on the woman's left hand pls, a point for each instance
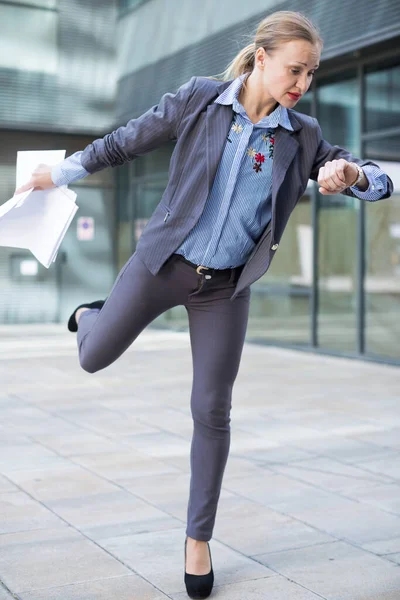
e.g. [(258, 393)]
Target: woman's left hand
[(336, 175)]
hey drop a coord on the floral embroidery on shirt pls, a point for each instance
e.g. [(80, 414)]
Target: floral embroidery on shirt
[(237, 128), (271, 146), (258, 157)]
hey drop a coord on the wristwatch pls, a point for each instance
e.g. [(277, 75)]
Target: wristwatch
[(360, 175)]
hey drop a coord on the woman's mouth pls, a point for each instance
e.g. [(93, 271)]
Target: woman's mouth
[(294, 96)]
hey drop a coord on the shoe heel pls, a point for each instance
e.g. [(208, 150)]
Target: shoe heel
[(199, 586)]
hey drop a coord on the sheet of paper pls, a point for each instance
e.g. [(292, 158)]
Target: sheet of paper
[(37, 220)]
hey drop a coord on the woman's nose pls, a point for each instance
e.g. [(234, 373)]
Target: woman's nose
[(302, 84)]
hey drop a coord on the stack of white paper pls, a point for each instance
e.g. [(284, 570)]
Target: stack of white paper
[(37, 220)]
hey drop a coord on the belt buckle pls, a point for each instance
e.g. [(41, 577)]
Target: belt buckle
[(199, 268)]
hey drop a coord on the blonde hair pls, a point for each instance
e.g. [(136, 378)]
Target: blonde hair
[(279, 27)]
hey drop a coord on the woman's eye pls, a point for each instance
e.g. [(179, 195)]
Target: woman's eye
[(295, 72)]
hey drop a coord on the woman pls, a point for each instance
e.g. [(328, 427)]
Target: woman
[(242, 160)]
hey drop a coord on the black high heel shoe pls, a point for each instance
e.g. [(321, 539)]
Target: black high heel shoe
[(72, 324), (199, 586)]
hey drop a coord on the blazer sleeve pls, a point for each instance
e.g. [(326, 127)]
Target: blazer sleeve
[(139, 136), (326, 152)]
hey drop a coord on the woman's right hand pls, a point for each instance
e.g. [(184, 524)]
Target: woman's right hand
[(40, 180)]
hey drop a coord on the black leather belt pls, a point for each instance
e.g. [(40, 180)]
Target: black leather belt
[(209, 272)]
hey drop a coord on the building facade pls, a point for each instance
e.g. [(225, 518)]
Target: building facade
[(57, 91), (334, 285)]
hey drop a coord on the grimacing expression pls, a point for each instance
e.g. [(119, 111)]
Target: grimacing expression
[(288, 70)]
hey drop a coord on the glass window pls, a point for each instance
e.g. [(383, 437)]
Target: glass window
[(37, 3), (338, 115), (28, 38), (382, 280), (127, 4), (382, 99), (280, 299), (338, 112)]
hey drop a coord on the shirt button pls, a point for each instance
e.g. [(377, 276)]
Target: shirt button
[(275, 247), (373, 187)]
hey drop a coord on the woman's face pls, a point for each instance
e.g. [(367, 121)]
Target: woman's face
[(287, 72)]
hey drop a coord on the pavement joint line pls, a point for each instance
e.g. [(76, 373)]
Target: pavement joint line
[(85, 428), (351, 477), (112, 482), (295, 548), (83, 535), (13, 594), (183, 523), (359, 465), (268, 567), (336, 493), (82, 582), (334, 537)]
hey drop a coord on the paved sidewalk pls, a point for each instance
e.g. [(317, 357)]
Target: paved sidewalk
[(94, 474)]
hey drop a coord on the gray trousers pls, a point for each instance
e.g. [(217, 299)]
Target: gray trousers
[(217, 332)]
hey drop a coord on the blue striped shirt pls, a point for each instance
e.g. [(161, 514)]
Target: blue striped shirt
[(238, 207)]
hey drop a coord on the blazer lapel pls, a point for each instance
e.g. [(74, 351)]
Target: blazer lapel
[(218, 120), (285, 149)]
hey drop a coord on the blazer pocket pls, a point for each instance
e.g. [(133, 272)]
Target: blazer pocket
[(166, 210)]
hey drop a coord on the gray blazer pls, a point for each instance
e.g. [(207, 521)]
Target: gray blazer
[(200, 128)]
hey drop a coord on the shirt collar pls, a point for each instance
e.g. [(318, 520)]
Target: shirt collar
[(279, 116)]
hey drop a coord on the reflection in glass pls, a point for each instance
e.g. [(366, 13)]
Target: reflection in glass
[(280, 300), (382, 281), (382, 102), (338, 115)]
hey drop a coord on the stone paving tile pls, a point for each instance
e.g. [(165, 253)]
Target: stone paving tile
[(112, 514), (271, 588), (331, 475), (18, 512), (387, 438), (394, 558), (160, 558), (54, 484), (169, 492), (21, 456), (389, 466), (280, 492), (356, 522), (4, 595), (277, 455), (385, 496), (338, 571), (46, 558), (105, 421), (8, 437), (344, 449), (80, 442), (254, 529), (382, 547), (166, 419), (267, 435), (29, 420), (323, 510), (237, 465), (6, 485), (124, 464), (160, 444), (128, 587)]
